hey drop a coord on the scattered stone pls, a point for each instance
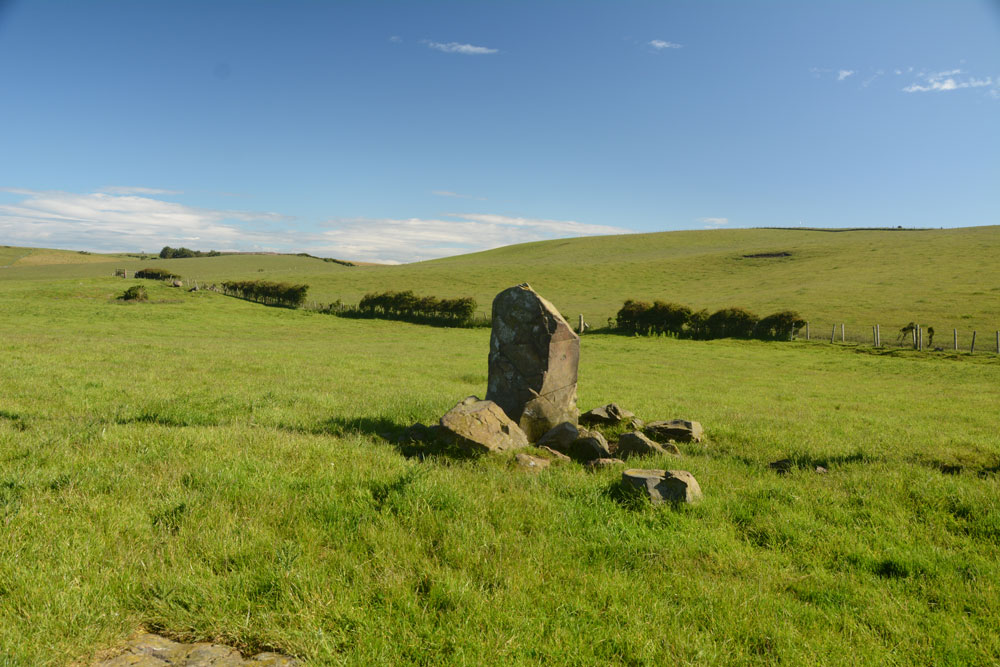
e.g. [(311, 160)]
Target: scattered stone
[(781, 467), (556, 456), (609, 414), (664, 485), (680, 430), (589, 446), (177, 283), (531, 462), (148, 650), (560, 437), (820, 470), (533, 362), (482, 426), (637, 444), (636, 424), (601, 464)]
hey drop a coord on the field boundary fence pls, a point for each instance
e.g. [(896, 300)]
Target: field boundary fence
[(914, 336)]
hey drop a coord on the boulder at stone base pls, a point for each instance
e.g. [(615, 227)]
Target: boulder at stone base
[(637, 444), (481, 426), (678, 486)]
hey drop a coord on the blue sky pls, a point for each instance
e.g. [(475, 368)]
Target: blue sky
[(392, 131)]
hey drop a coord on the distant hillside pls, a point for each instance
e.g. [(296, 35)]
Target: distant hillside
[(943, 278)]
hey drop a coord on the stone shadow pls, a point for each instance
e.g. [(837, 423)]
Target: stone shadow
[(412, 441)]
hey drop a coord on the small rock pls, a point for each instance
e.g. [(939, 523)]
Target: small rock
[(680, 430), (820, 470), (611, 414), (560, 437), (148, 650), (482, 426), (781, 467), (556, 456), (531, 462), (637, 444), (589, 446), (636, 424), (600, 464), (664, 485)]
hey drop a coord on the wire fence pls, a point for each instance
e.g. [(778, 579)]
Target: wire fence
[(914, 337)]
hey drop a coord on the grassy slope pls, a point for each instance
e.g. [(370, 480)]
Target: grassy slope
[(944, 278), (209, 467)]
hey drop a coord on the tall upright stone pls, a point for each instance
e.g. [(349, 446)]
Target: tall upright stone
[(533, 360)]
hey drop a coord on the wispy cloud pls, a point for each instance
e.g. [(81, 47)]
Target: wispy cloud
[(660, 44), (455, 47), (413, 239), (102, 221), (125, 190), (455, 195), (947, 80), (396, 39), (844, 73), (105, 222), (714, 223)]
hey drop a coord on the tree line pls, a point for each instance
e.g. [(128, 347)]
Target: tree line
[(156, 274), (262, 291), (672, 319), (180, 253), (408, 306)]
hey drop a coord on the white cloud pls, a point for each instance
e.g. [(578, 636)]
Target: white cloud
[(946, 80), (101, 221), (414, 239), (124, 190), (660, 44), (714, 223), (105, 222), (396, 39), (455, 195), (466, 49), (844, 73)]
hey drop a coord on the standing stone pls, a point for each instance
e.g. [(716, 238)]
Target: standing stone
[(533, 360)]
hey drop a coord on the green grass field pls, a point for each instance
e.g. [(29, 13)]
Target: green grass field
[(212, 469), (948, 279)]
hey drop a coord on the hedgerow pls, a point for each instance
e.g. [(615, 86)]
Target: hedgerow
[(643, 318), (156, 274), (412, 308), (262, 291)]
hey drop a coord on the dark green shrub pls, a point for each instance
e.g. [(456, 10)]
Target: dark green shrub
[(731, 323), (630, 317), (156, 274), (181, 253), (134, 293), (423, 309), (697, 326), (779, 326), (262, 291)]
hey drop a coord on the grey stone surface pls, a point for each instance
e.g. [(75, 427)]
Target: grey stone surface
[(149, 650), (532, 362), (637, 444), (556, 455), (589, 446), (680, 430), (611, 414), (560, 437), (482, 426), (661, 486), (600, 464), (530, 462)]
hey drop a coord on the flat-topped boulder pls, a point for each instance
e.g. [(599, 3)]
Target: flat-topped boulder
[(680, 430), (678, 486), (481, 426), (610, 414), (533, 361), (637, 444)]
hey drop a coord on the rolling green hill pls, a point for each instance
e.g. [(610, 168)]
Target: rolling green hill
[(943, 278)]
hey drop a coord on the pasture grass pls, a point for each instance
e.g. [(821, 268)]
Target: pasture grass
[(944, 278), (213, 469)]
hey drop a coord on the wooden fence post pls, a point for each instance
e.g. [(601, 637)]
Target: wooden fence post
[(920, 338), (972, 348), (998, 342), (833, 334), (579, 329), (807, 331), (878, 336), (954, 338), (843, 336)]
